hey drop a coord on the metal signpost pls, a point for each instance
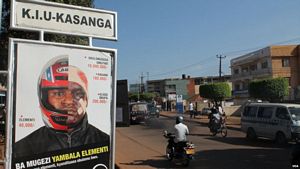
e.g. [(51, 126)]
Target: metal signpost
[(0, 14), (61, 97), (179, 104)]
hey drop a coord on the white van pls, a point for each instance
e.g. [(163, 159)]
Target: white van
[(277, 121)]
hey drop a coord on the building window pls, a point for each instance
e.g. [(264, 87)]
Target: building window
[(237, 87), (253, 67), (197, 81), (245, 69), (264, 65), (236, 71), (285, 62), (245, 85)]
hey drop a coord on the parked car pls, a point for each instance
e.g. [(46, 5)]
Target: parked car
[(277, 121), (153, 111), (205, 111), (138, 112)]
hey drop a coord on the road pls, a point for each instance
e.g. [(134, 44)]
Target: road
[(143, 147)]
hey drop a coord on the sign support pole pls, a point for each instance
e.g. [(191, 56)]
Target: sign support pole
[(0, 14)]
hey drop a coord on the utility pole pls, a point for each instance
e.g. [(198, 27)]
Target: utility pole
[(220, 65), (142, 86), (146, 84), (142, 83)]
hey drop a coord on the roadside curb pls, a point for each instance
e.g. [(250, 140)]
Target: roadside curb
[(231, 124)]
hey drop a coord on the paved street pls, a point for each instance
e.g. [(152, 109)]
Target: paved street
[(143, 146)]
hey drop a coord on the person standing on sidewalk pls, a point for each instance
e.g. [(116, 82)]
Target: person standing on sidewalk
[(191, 110)]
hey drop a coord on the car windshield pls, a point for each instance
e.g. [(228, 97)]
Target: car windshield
[(139, 107), (295, 112)]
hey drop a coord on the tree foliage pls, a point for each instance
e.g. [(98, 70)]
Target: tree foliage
[(272, 90), (215, 92), (6, 33), (141, 97)]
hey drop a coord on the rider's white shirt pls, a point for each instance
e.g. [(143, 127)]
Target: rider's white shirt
[(217, 116), (181, 130)]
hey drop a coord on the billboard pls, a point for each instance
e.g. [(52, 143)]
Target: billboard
[(66, 19), (63, 106)]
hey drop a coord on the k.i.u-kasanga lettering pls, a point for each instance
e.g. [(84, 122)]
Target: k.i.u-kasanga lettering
[(66, 18)]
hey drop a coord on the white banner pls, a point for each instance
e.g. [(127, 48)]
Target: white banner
[(65, 19)]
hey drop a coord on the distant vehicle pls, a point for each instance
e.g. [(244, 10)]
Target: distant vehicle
[(277, 121), (205, 111), (153, 111), (138, 112)]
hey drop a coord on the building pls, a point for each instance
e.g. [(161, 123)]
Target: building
[(134, 88), (209, 79), (187, 87), (269, 62), (156, 86)]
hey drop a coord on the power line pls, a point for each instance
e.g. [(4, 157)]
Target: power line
[(259, 47), (230, 54)]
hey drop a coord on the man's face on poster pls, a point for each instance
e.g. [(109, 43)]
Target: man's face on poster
[(72, 100)]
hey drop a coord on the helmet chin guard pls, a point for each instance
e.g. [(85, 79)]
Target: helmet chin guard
[(60, 77)]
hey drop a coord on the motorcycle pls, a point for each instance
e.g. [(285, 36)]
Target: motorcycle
[(181, 152), (218, 125)]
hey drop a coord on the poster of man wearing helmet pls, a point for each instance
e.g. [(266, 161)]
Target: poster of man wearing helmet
[(63, 107)]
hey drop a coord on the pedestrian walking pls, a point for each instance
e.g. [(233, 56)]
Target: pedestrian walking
[(191, 110)]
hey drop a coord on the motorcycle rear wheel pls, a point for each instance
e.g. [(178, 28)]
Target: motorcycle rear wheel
[(185, 161), (213, 133), (224, 131), (169, 153)]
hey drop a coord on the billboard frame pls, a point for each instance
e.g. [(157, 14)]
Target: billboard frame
[(11, 93)]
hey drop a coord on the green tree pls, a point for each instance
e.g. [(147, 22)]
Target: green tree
[(6, 33), (142, 97), (272, 90), (216, 92)]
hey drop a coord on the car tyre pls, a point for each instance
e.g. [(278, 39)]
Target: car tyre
[(280, 138), (251, 135)]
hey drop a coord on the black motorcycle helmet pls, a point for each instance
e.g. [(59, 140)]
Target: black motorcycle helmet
[(179, 119)]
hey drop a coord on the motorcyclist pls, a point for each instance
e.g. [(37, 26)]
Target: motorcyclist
[(181, 131), (215, 114), (178, 146)]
